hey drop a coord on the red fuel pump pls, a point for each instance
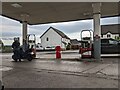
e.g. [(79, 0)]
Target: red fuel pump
[(58, 52), (86, 49)]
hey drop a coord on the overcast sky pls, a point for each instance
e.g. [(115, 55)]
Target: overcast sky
[(12, 28)]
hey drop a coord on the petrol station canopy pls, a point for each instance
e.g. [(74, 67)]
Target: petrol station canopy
[(52, 12)]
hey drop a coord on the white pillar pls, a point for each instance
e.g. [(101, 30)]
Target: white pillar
[(24, 19), (24, 32), (97, 30)]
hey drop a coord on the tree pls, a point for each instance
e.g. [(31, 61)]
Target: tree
[(1, 45)]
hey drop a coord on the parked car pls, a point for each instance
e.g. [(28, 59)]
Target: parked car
[(110, 46), (39, 48), (50, 48)]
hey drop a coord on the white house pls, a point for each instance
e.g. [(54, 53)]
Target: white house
[(110, 31), (54, 37)]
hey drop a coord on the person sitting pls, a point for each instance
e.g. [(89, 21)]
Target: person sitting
[(16, 48)]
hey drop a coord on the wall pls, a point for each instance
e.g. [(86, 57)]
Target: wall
[(66, 41), (54, 39)]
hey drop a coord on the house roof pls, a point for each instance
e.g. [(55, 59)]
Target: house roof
[(114, 29), (74, 42), (57, 31)]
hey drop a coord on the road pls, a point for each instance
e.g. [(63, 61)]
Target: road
[(42, 73)]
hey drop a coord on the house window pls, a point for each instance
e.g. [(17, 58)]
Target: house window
[(47, 39), (108, 35)]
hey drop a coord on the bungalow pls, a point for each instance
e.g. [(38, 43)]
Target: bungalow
[(110, 31), (75, 44), (54, 37)]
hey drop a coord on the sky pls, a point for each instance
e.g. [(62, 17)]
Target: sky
[(12, 28)]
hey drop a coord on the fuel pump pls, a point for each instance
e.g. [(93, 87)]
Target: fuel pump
[(31, 40), (86, 49)]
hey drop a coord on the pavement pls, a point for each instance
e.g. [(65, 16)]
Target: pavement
[(59, 73), (69, 54)]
